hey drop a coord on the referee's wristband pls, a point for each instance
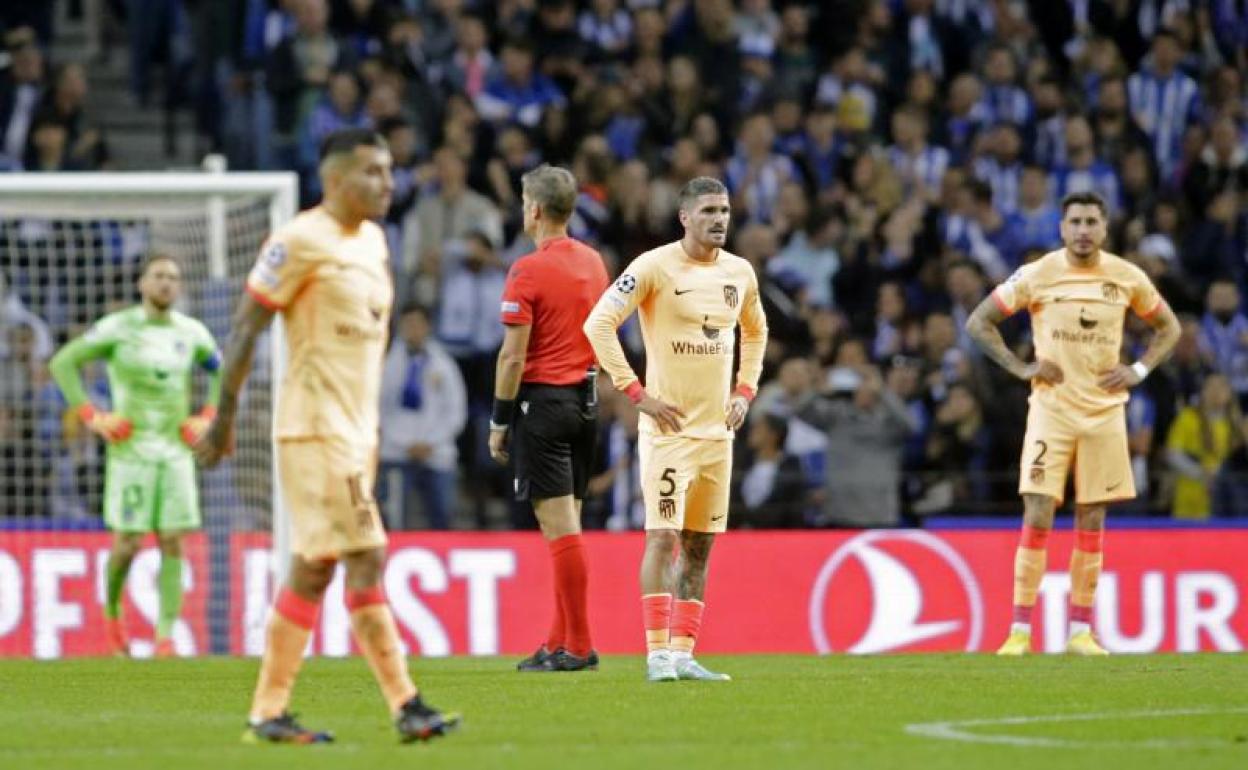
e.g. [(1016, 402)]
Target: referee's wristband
[(1140, 369), (503, 409)]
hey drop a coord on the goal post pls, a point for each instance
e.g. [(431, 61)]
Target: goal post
[(70, 246)]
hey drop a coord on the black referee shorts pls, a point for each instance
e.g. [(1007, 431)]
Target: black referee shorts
[(553, 439)]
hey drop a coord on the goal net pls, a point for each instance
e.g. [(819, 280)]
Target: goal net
[(70, 249)]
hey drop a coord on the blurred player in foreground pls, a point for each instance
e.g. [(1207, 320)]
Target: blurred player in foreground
[(1078, 298), (547, 364), (327, 273), (691, 295), (150, 351)]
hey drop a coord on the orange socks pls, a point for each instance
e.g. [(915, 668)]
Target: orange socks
[(1029, 565), (671, 625), (378, 638), (686, 623), (1085, 571), (290, 626), (656, 614)]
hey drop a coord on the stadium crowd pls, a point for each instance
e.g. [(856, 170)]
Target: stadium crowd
[(889, 162)]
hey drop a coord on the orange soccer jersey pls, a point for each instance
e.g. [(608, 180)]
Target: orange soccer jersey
[(689, 312), (1077, 318), (333, 289)]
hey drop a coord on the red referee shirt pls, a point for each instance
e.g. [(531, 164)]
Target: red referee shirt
[(553, 289)]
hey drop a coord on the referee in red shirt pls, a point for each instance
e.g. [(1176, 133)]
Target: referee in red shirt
[(547, 365)]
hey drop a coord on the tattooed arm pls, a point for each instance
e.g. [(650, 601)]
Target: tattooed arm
[(982, 326), (250, 320)]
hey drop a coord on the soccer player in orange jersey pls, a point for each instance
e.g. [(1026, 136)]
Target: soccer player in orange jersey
[(690, 295), (1078, 297), (327, 272)]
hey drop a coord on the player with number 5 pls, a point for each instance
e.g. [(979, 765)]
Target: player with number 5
[(691, 295)]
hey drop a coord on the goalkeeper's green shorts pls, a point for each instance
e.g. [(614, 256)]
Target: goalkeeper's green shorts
[(147, 496)]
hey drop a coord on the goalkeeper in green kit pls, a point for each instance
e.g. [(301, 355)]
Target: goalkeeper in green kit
[(150, 351)]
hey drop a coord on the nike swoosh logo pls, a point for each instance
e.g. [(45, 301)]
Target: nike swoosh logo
[(679, 292), (1113, 486), (717, 518)]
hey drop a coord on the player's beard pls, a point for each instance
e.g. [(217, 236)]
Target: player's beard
[(1086, 251)]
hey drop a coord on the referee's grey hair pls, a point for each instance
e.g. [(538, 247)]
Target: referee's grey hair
[(697, 187), (553, 188)]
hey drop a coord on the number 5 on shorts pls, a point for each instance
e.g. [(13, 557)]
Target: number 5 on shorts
[(667, 506)]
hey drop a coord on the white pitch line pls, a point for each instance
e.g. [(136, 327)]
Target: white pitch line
[(956, 730)]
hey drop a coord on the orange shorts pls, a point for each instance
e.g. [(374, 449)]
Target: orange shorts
[(685, 482), (1096, 445), (327, 485)]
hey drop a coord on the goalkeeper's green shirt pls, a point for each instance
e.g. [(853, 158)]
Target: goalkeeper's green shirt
[(149, 364)]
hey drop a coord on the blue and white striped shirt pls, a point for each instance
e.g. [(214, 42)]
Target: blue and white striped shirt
[(1048, 145), (1003, 180), (926, 168), (1225, 345), (1036, 229), (1007, 104), (761, 194), (1100, 178), (1163, 107)]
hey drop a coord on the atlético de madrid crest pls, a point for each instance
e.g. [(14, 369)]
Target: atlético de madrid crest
[(730, 295)]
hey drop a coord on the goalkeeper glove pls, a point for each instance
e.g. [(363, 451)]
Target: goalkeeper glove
[(111, 427), (194, 427)]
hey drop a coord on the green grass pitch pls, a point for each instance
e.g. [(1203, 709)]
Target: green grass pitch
[(926, 711)]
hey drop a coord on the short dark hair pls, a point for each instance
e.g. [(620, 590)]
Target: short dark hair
[(697, 187), (413, 306), (553, 188), (157, 256), (481, 237), (980, 190), (1166, 33), (520, 43), (388, 126), (347, 139), (1085, 198), (963, 262)]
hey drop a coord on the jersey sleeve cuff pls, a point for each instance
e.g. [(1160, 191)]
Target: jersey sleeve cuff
[(1153, 312), (268, 302), (635, 392), (1004, 308)]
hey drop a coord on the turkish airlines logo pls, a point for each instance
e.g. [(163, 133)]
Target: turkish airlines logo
[(883, 591)]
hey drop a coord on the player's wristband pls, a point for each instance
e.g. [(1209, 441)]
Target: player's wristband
[(635, 392), (86, 412), (503, 409), (1140, 369), (746, 392)]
